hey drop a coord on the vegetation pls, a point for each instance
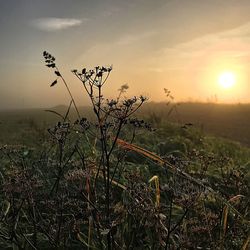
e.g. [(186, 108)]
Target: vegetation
[(230, 121), (113, 181)]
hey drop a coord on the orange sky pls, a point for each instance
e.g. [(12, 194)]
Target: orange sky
[(181, 45)]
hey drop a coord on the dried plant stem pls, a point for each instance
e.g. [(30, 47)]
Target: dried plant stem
[(72, 98)]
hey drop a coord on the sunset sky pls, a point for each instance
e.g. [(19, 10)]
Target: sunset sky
[(182, 45)]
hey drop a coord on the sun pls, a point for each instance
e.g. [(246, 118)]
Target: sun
[(227, 79)]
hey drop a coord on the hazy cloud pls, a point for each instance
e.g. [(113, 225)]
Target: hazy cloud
[(131, 38), (229, 45), (53, 23), (242, 31), (232, 43)]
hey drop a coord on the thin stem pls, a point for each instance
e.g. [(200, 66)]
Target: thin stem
[(72, 98)]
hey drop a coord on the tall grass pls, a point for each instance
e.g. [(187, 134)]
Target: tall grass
[(95, 185)]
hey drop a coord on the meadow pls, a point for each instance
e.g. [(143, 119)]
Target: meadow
[(210, 149), (124, 173), (228, 121)]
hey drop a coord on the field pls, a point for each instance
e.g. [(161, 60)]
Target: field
[(125, 174), (205, 143), (229, 121), (136, 132)]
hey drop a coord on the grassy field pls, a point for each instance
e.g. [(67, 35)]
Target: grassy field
[(217, 129), (182, 186), (124, 174), (219, 120), (224, 120)]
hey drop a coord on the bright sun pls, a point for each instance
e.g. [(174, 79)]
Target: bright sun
[(227, 79)]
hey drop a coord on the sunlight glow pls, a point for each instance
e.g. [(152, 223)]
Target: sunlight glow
[(226, 79)]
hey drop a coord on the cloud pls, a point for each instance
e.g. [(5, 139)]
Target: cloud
[(54, 24), (230, 43), (226, 46), (111, 10), (131, 38)]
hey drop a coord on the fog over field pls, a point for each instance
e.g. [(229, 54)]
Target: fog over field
[(182, 45), (124, 124)]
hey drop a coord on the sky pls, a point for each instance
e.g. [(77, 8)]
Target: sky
[(181, 45)]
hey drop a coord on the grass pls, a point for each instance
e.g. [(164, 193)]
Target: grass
[(111, 181), (229, 121), (223, 120)]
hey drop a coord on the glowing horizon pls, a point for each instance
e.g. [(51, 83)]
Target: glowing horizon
[(153, 50)]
